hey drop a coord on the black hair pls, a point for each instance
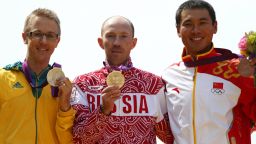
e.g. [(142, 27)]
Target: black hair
[(195, 4)]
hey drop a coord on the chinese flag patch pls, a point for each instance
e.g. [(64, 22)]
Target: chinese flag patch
[(217, 85)]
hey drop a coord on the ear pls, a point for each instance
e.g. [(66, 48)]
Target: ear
[(100, 42), (178, 30), (24, 37), (215, 25), (134, 42)]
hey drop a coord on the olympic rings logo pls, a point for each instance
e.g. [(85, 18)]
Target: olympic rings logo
[(217, 91)]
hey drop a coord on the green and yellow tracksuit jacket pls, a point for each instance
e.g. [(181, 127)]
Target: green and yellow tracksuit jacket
[(31, 115)]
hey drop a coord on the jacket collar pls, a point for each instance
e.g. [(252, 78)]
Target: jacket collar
[(186, 57), (213, 55)]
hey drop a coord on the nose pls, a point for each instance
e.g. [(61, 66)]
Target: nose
[(43, 38), (117, 40), (196, 29)]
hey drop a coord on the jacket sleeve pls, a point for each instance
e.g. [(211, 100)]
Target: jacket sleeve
[(64, 126), (248, 97), (88, 125), (162, 127)]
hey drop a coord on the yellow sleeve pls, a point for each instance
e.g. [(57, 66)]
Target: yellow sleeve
[(64, 126)]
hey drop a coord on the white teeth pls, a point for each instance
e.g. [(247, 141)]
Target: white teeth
[(197, 38)]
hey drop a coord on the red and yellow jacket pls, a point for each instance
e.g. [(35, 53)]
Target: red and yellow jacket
[(210, 103)]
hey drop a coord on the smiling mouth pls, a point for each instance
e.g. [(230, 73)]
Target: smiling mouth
[(196, 38)]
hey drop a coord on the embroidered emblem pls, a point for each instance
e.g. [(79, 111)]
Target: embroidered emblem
[(221, 69), (17, 85), (217, 88)]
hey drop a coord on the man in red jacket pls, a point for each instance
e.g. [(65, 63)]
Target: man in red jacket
[(208, 101), (119, 103)]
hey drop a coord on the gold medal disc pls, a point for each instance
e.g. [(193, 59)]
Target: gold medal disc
[(115, 78), (54, 75)]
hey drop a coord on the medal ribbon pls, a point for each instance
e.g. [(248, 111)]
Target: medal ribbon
[(55, 90), (27, 73), (124, 67), (225, 55)]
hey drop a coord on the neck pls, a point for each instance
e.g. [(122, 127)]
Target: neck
[(111, 63), (195, 53), (37, 67), (120, 67)]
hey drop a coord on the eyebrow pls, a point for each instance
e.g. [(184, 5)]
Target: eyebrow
[(37, 30), (201, 19), (127, 33)]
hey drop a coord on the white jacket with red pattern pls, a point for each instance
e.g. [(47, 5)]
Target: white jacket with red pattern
[(211, 103), (137, 118)]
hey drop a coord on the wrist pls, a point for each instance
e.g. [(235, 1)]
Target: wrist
[(65, 109), (103, 110)]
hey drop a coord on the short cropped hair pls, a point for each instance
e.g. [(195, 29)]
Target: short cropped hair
[(195, 4), (44, 13)]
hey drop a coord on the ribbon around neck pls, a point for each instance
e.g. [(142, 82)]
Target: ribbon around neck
[(27, 73), (123, 67)]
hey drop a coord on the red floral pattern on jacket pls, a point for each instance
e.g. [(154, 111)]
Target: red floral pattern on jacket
[(138, 117)]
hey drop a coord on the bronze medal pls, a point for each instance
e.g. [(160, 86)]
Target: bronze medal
[(54, 75), (115, 78)]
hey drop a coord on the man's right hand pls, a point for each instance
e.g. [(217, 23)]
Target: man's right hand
[(109, 95), (246, 67)]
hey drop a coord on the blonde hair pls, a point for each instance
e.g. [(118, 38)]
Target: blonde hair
[(44, 13)]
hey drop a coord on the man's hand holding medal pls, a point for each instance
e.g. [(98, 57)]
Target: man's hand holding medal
[(56, 78), (115, 80)]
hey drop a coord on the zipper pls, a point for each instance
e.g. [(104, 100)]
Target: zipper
[(193, 106), (36, 124)]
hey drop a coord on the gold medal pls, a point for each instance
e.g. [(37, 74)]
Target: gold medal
[(54, 75), (115, 78)]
